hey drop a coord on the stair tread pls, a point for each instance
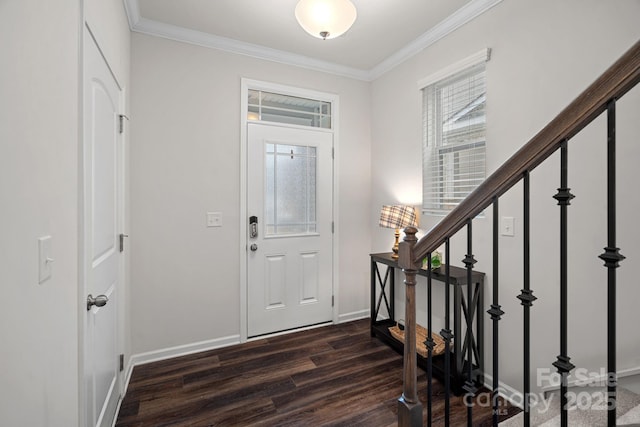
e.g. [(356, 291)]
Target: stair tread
[(632, 417), (541, 413), (544, 416)]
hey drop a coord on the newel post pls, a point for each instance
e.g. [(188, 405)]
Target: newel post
[(409, 406)]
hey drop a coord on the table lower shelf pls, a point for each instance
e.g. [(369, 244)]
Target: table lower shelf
[(458, 377)]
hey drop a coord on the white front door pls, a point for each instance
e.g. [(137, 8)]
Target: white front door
[(289, 250), (102, 222)]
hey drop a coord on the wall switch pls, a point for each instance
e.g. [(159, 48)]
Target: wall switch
[(214, 219), (507, 228), (45, 259)]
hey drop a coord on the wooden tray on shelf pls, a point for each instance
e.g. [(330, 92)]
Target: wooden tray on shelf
[(421, 337)]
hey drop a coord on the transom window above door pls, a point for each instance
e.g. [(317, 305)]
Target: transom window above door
[(280, 108)]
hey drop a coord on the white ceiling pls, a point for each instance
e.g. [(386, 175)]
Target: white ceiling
[(386, 32)]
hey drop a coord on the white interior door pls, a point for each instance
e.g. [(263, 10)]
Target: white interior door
[(289, 260), (102, 220)]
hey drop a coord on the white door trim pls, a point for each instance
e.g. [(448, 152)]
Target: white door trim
[(247, 84)]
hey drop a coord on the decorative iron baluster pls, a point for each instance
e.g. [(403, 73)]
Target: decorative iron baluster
[(458, 351), (469, 385), (429, 343), (526, 299), (446, 335), (495, 312), (611, 258), (563, 363)]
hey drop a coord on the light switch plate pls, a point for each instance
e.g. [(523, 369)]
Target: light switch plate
[(214, 219), (45, 259), (507, 228)]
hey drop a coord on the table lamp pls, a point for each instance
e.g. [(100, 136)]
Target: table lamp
[(397, 216)]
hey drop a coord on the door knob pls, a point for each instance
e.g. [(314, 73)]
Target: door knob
[(254, 247), (99, 301)]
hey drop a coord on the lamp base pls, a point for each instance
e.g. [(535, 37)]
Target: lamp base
[(396, 245)]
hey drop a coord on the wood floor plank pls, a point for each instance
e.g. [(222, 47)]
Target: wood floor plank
[(335, 375), (345, 353), (142, 378), (271, 361), (377, 357), (320, 392)]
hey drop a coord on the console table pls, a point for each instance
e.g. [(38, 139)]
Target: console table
[(382, 291)]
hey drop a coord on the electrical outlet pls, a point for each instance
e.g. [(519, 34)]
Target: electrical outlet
[(508, 225)]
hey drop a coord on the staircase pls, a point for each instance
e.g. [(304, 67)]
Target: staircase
[(600, 98), (590, 412)]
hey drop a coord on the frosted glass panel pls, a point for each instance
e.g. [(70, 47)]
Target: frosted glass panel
[(290, 189)]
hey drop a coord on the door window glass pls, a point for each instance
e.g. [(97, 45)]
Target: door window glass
[(290, 193)]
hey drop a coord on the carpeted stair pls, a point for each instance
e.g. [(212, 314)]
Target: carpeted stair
[(547, 414)]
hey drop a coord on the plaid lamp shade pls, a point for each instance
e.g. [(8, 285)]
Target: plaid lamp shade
[(398, 216)]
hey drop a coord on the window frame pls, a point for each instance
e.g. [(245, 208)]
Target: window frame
[(429, 86)]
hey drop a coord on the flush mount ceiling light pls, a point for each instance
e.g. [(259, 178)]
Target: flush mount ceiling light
[(325, 19)]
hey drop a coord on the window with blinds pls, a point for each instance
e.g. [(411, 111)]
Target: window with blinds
[(454, 144)]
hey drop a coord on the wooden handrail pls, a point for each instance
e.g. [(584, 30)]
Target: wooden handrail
[(612, 84)]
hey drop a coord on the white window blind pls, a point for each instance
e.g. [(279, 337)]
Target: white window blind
[(454, 144)]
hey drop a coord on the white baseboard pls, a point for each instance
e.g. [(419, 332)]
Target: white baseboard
[(167, 353), (516, 399), (513, 396), (355, 315), (591, 378), (183, 350)]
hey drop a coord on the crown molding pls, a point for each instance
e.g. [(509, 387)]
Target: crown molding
[(154, 28), (199, 38), (456, 20), (132, 8)]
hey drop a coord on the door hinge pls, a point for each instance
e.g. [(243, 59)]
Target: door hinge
[(122, 236), (121, 118), (333, 227), (333, 153), (333, 300), (121, 359)]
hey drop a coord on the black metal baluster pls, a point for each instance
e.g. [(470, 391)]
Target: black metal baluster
[(469, 385), (458, 351), (526, 299), (495, 312), (446, 335), (611, 258), (429, 343), (563, 363)]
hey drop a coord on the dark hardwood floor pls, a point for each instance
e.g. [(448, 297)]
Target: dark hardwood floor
[(335, 375)]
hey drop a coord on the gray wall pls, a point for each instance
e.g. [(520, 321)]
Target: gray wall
[(39, 187), (40, 119), (186, 156), (544, 53)]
